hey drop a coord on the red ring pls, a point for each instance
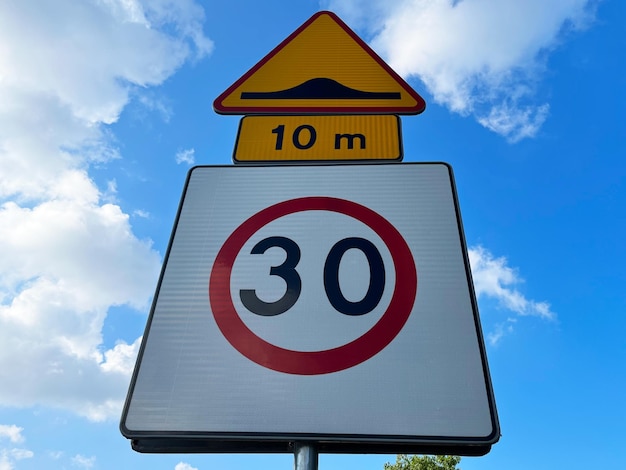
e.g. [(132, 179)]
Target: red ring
[(313, 362)]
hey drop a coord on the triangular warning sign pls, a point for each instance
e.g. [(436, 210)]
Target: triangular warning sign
[(321, 68)]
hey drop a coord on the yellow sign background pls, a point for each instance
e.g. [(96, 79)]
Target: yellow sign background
[(259, 137), (322, 48)]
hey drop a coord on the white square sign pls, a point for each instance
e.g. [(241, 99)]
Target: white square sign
[(326, 303)]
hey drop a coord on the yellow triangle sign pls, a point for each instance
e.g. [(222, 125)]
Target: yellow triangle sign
[(321, 68)]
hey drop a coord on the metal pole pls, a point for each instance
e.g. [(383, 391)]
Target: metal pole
[(305, 456)]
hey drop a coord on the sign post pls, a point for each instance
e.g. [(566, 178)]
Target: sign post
[(305, 456)]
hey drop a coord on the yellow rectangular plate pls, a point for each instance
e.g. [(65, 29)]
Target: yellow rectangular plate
[(318, 138)]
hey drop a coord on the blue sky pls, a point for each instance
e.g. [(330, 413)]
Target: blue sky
[(106, 104)]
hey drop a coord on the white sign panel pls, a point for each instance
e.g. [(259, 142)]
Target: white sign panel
[(324, 303)]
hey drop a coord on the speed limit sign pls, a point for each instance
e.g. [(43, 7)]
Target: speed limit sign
[(341, 356), (332, 303)]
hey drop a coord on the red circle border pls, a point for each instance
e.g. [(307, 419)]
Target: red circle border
[(313, 362)]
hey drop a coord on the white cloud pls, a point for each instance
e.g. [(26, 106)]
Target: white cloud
[(141, 214), (480, 57), (55, 454), (121, 358), (500, 330), (515, 123), (184, 466), (67, 69), (66, 263), (186, 156), (110, 194), (495, 279), (83, 462), (157, 104), (12, 432), (9, 456), (20, 454)]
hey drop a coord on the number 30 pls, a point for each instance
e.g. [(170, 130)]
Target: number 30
[(287, 271)]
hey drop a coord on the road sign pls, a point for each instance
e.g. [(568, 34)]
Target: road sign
[(324, 68), (322, 361), (306, 138), (330, 303)]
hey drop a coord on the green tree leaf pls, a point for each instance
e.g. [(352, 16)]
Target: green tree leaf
[(424, 462)]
